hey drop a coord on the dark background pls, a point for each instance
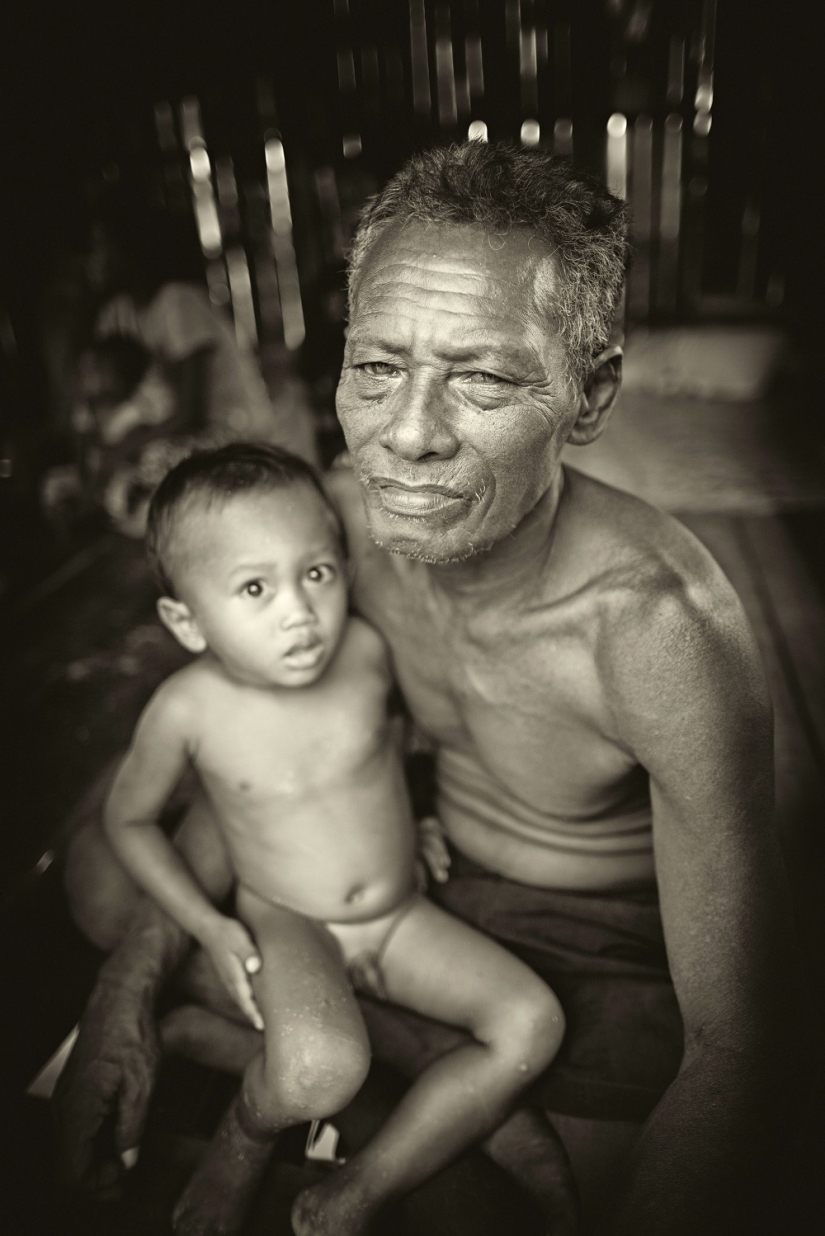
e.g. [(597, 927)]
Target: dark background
[(80, 81), (78, 86)]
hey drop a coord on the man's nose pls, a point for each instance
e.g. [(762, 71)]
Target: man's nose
[(418, 424)]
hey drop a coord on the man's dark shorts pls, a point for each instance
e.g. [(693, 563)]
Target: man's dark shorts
[(604, 956)]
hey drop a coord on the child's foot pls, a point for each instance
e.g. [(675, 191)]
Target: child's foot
[(217, 1197), (332, 1207)]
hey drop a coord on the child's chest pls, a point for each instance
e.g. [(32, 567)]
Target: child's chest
[(290, 745)]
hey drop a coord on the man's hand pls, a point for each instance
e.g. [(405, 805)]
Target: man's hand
[(432, 849), (102, 1095), (235, 957)]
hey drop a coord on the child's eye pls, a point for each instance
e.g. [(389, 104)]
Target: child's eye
[(254, 588), (321, 574)]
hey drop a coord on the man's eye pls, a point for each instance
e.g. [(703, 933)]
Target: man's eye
[(482, 378), (377, 369), (321, 574), (254, 588)]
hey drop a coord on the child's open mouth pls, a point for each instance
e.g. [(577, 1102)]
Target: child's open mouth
[(305, 656)]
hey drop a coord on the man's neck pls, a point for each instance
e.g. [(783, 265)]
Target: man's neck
[(511, 567)]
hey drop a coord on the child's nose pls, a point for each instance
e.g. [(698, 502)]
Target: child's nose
[(297, 610)]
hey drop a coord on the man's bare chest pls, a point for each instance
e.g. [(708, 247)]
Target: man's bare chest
[(517, 690)]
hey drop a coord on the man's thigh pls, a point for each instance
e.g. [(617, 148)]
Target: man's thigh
[(604, 956), (598, 1149), (102, 896)]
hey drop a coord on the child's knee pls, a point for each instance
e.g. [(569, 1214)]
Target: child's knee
[(317, 1079), (531, 1029), (324, 1075)]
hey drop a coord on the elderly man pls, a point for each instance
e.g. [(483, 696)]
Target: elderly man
[(584, 674)]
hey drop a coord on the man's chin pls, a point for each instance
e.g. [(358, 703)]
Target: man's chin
[(435, 551)]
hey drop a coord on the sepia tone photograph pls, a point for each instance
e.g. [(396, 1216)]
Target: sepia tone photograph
[(412, 578)]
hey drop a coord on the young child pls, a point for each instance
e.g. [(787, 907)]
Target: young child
[(283, 715)]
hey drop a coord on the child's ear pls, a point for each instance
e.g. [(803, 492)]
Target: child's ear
[(180, 620)]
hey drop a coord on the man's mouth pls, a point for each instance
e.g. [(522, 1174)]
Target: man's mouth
[(400, 498)]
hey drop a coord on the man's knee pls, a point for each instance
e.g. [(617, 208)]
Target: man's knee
[(316, 1079), (101, 896), (199, 839)]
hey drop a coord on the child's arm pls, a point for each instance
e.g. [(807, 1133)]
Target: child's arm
[(153, 766)]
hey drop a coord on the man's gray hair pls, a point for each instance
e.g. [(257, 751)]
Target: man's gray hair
[(500, 187)]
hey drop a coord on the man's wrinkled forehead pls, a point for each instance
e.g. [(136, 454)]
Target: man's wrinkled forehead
[(455, 265)]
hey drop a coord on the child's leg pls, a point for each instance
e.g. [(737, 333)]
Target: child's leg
[(440, 967), (526, 1145), (316, 1051), (315, 1058)]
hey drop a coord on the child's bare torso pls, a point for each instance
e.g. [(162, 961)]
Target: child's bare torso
[(308, 785)]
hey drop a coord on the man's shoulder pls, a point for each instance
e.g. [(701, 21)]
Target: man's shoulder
[(343, 488), (653, 577), (370, 560), (366, 647), (667, 614), (340, 481)]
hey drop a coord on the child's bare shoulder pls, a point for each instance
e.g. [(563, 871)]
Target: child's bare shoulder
[(181, 698)]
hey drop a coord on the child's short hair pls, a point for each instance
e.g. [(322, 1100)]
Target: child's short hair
[(215, 475)]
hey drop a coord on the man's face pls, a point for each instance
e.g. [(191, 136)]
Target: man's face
[(455, 399)]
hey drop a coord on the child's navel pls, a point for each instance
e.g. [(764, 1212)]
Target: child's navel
[(244, 785), (355, 894)]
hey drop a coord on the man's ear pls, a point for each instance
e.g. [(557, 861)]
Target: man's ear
[(598, 397), (180, 620)]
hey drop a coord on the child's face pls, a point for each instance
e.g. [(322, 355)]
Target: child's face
[(263, 577)]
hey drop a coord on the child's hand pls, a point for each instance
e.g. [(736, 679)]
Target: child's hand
[(235, 957), (432, 848)]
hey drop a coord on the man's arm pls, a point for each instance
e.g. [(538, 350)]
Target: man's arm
[(689, 700), (102, 1097)]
